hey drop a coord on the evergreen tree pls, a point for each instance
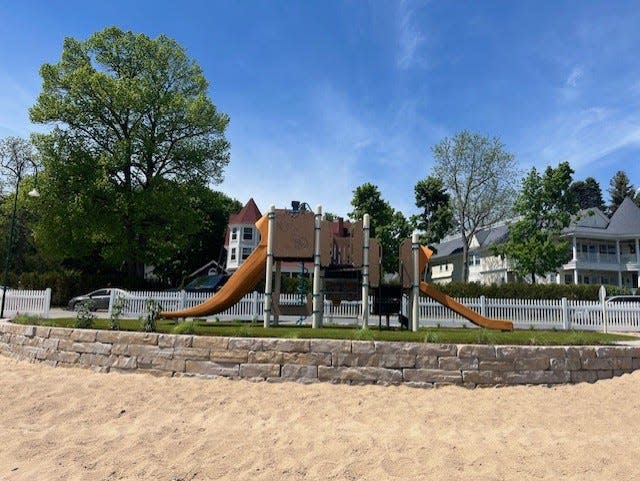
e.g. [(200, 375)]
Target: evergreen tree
[(588, 194), (620, 188)]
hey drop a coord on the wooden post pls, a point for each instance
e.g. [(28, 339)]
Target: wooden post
[(415, 247), (365, 272), (318, 303), (269, 274)]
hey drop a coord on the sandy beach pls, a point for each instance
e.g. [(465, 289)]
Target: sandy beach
[(69, 423)]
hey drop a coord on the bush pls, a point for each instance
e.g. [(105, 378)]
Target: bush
[(85, 315), (528, 291), (149, 323)]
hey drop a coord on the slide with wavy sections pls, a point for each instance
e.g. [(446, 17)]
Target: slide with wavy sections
[(464, 311), (243, 280)]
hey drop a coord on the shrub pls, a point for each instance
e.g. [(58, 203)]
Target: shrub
[(85, 315), (516, 290), (149, 322), (119, 305)]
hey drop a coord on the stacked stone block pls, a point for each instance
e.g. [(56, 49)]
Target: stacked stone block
[(335, 361)]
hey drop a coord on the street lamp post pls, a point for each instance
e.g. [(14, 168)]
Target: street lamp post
[(32, 193)]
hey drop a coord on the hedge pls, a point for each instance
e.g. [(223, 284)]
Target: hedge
[(584, 292)]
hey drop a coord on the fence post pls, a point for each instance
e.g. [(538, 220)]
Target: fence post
[(254, 306), (483, 306), (112, 299), (183, 299), (565, 314), (47, 302)]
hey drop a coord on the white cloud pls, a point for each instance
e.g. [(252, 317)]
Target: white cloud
[(410, 37), (323, 161), (575, 75)]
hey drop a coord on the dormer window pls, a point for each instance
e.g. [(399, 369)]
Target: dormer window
[(247, 233)]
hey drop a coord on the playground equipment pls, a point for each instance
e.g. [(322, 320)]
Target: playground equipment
[(300, 235), (414, 259), (346, 264)]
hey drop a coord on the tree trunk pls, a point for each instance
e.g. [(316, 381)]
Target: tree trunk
[(465, 259)]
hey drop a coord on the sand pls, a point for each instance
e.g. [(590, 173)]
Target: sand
[(71, 423)]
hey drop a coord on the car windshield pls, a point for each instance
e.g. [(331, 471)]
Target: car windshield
[(204, 282), (624, 299)]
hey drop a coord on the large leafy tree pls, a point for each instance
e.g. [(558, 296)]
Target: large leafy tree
[(388, 225), (18, 162), (436, 218), (588, 194), (480, 176), (134, 135), (620, 188), (545, 206)]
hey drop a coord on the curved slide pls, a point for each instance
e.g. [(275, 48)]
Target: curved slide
[(464, 311), (243, 280)]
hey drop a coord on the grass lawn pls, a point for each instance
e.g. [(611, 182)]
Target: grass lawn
[(432, 334)]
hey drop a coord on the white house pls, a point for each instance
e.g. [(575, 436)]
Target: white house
[(242, 235), (603, 251)]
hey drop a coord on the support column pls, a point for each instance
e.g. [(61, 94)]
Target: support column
[(619, 278), (415, 247), (575, 276), (575, 249), (269, 268), (276, 290), (637, 251), (365, 272), (618, 253), (318, 304)]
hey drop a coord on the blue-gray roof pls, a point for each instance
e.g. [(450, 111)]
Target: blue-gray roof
[(626, 219)]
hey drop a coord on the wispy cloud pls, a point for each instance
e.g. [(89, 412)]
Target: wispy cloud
[(323, 161), (575, 75), (410, 37)]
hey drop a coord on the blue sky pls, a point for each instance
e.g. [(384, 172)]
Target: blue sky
[(325, 95)]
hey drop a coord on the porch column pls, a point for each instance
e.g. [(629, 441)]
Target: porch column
[(619, 278), (575, 276), (618, 251), (637, 251), (575, 248)]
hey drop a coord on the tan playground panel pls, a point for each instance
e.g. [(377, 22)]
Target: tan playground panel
[(293, 235)]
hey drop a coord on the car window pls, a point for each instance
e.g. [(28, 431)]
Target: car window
[(625, 299), (101, 292)]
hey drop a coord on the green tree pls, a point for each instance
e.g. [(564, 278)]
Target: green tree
[(389, 226), (588, 194), (18, 162), (480, 176), (545, 206), (367, 199), (436, 219), (620, 188), (133, 125)]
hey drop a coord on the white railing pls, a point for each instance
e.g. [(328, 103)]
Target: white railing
[(23, 301), (558, 314)]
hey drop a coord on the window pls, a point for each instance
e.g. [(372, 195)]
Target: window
[(246, 252), (233, 254), (247, 233), (568, 279), (234, 233)]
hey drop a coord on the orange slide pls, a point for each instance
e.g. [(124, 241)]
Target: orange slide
[(464, 311), (250, 272)]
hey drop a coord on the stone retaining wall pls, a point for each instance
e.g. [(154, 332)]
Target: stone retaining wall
[(354, 362)]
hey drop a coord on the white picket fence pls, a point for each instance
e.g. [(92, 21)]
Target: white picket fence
[(22, 301), (524, 313)]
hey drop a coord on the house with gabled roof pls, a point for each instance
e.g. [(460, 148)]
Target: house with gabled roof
[(242, 236), (603, 251)]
